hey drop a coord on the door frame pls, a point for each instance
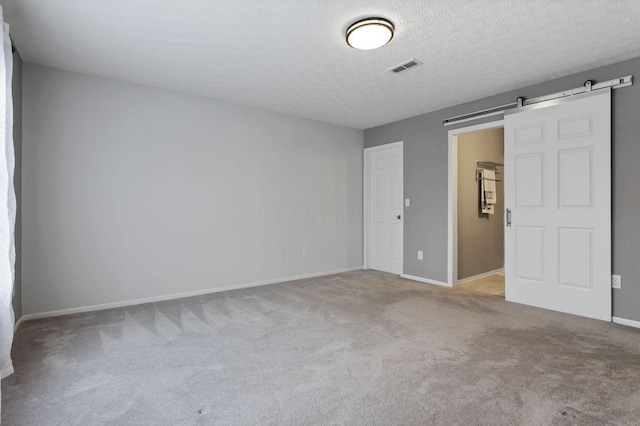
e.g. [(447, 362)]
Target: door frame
[(452, 228), (367, 198)]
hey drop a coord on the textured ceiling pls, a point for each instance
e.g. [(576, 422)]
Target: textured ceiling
[(290, 55)]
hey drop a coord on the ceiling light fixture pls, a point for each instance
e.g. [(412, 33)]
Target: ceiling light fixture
[(369, 33)]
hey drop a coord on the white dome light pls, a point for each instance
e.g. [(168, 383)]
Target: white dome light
[(370, 33)]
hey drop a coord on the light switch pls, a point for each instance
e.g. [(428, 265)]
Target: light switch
[(407, 202)]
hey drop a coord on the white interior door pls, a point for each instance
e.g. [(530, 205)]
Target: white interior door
[(385, 208), (558, 188)]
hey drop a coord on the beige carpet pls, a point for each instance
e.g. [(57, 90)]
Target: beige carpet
[(360, 348)]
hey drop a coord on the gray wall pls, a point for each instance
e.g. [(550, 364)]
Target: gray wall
[(17, 138), (480, 235), (425, 180), (132, 192)]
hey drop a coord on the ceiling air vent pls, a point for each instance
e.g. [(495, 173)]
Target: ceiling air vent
[(405, 65)]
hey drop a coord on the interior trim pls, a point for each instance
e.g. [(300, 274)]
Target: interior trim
[(452, 184), (424, 280), (174, 296), (477, 277), (623, 321), (20, 321)]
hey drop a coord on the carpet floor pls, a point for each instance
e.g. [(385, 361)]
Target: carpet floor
[(360, 348)]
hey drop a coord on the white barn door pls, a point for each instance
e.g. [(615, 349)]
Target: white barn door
[(385, 207), (558, 192)]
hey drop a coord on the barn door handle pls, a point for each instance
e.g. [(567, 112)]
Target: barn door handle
[(399, 217), (508, 217)]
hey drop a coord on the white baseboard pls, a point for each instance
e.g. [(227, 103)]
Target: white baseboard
[(623, 321), (424, 280), (477, 277), (6, 372), (20, 321), (124, 303)]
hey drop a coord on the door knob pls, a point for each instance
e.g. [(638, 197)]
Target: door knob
[(398, 216)]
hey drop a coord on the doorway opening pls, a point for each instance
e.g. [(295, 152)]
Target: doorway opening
[(476, 206)]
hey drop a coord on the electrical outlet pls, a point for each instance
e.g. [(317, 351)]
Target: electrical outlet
[(305, 252), (281, 255), (616, 281), (420, 255)]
